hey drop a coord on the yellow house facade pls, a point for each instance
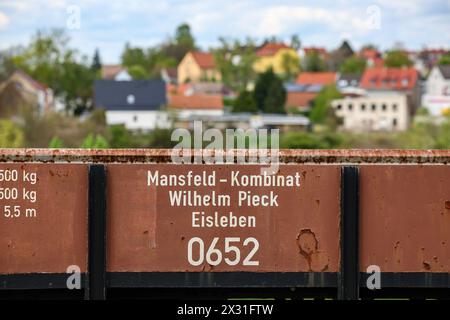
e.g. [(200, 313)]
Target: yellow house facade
[(281, 58), (197, 67)]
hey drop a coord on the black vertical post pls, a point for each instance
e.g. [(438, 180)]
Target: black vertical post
[(348, 285), (96, 289)]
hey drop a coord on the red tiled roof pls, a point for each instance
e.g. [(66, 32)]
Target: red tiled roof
[(196, 101), (270, 49), (177, 88), (318, 50), (109, 71), (322, 78), (389, 78), (299, 99), (370, 54), (36, 84), (205, 60), (435, 51)]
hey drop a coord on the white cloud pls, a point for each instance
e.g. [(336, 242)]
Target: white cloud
[(4, 20), (109, 24)]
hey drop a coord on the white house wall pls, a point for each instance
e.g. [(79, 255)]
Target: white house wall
[(139, 120), (388, 119)]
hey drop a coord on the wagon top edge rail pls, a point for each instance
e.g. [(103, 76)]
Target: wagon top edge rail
[(332, 156)]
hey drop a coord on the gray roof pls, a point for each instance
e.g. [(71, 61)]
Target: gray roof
[(445, 70), (296, 87), (282, 119), (349, 80), (135, 95)]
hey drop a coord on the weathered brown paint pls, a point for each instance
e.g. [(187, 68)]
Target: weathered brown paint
[(57, 237), (405, 213), (146, 234), (405, 226)]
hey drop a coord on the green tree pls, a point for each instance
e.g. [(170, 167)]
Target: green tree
[(55, 143), (184, 37), (312, 62), (49, 60), (295, 42), (11, 136), (137, 72), (353, 65), (444, 60), (77, 81), (322, 110), (235, 59), (133, 57), (97, 142), (291, 66), (160, 138), (120, 137), (245, 102), (443, 136), (396, 59), (96, 61), (269, 93)]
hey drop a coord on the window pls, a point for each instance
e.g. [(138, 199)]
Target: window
[(339, 107), (135, 118), (350, 107), (374, 107), (394, 122), (394, 107), (363, 107), (383, 107), (130, 99)]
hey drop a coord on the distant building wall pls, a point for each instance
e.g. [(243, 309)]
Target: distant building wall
[(275, 62), (189, 70), (139, 120), (373, 113)]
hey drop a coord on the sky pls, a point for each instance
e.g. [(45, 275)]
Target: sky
[(109, 24)]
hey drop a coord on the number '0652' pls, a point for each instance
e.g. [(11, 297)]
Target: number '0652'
[(231, 254)]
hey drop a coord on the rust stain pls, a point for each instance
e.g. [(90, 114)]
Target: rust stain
[(447, 204), (309, 248)]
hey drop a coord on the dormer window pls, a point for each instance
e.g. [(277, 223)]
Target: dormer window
[(130, 99)]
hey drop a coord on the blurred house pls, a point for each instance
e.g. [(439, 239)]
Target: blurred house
[(182, 106), (319, 51), (21, 90), (386, 81), (299, 95), (373, 112), (198, 66), (316, 78), (169, 75), (136, 104), (212, 88), (372, 57), (274, 55), (349, 85), (437, 90), (115, 72), (246, 121), (339, 55), (427, 59)]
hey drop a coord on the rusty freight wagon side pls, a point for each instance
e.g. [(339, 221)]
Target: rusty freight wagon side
[(133, 222)]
